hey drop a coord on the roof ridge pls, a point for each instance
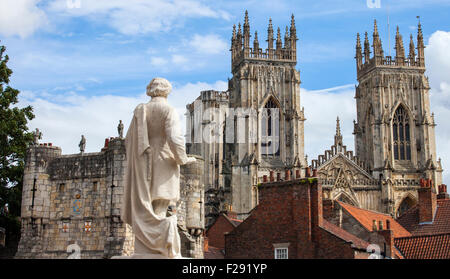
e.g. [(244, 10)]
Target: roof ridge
[(373, 211), (423, 235)]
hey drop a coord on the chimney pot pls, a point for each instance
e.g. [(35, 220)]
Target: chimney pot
[(443, 195), (278, 176), (287, 175), (272, 177), (315, 173), (308, 172), (297, 174), (264, 178)]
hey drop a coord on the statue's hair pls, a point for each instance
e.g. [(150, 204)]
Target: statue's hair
[(159, 87)]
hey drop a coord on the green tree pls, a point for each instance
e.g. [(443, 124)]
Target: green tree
[(14, 139)]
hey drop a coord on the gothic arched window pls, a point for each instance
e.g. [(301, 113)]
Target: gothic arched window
[(405, 205), (270, 129), (401, 132)]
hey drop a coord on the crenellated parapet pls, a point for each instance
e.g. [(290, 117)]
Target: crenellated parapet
[(367, 60), (241, 50), (338, 148)]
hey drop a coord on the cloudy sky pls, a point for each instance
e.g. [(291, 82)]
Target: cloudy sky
[(84, 64)]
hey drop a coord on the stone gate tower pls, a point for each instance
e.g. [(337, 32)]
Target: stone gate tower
[(395, 129), (269, 135)]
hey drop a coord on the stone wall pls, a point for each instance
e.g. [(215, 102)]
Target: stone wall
[(72, 202)]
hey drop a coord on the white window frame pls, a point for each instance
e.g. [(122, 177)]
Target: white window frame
[(281, 249)]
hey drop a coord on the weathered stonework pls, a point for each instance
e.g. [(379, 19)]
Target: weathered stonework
[(76, 199), (238, 157), (394, 133)]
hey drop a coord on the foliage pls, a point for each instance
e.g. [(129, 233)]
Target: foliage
[(14, 139)]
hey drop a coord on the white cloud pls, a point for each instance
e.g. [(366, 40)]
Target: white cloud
[(208, 44), (322, 107), (158, 61), (63, 118), (134, 17), (20, 17), (438, 58), (438, 69), (179, 59)]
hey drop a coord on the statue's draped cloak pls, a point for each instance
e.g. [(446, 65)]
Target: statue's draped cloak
[(155, 149)]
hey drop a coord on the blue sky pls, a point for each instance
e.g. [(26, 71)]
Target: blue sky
[(83, 67)]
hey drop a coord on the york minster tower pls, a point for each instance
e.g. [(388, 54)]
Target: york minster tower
[(260, 118), (394, 132)]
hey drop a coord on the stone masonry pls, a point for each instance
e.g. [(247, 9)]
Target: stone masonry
[(71, 204)]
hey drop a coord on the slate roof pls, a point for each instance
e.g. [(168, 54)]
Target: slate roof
[(344, 235), (213, 253), (440, 225), (365, 218), (424, 246)]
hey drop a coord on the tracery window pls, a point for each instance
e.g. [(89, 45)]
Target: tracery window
[(401, 131), (270, 129)]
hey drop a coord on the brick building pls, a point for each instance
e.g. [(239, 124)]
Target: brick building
[(429, 225), (288, 223), (215, 235)]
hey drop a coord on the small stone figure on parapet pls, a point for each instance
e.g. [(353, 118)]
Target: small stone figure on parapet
[(37, 136), (82, 144), (120, 129)]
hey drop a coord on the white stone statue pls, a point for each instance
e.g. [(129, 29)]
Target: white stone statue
[(155, 150)]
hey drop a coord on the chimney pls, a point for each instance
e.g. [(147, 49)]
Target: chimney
[(427, 201), (272, 178), (205, 244), (297, 174), (265, 179), (316, 207), (278, 176), (388, 236), (308, 172), (443, 194), (328, 208), (287, 175)]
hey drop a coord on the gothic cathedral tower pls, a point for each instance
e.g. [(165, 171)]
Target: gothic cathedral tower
[(268, 119), (395, 129)]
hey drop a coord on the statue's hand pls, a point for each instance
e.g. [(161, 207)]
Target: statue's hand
[(191, 160)]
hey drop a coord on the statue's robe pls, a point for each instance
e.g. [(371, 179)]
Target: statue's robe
[(155, 150)]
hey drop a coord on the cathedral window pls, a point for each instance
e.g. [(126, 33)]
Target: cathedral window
[(270, 129), (405, 205), (401, 134)]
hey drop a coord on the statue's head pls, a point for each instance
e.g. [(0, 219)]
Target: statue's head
[(159, 87)]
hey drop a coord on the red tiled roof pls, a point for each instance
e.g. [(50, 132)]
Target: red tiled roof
[(424, 246), (213, 253), (441, 223), (365, 218), (344, 235)]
